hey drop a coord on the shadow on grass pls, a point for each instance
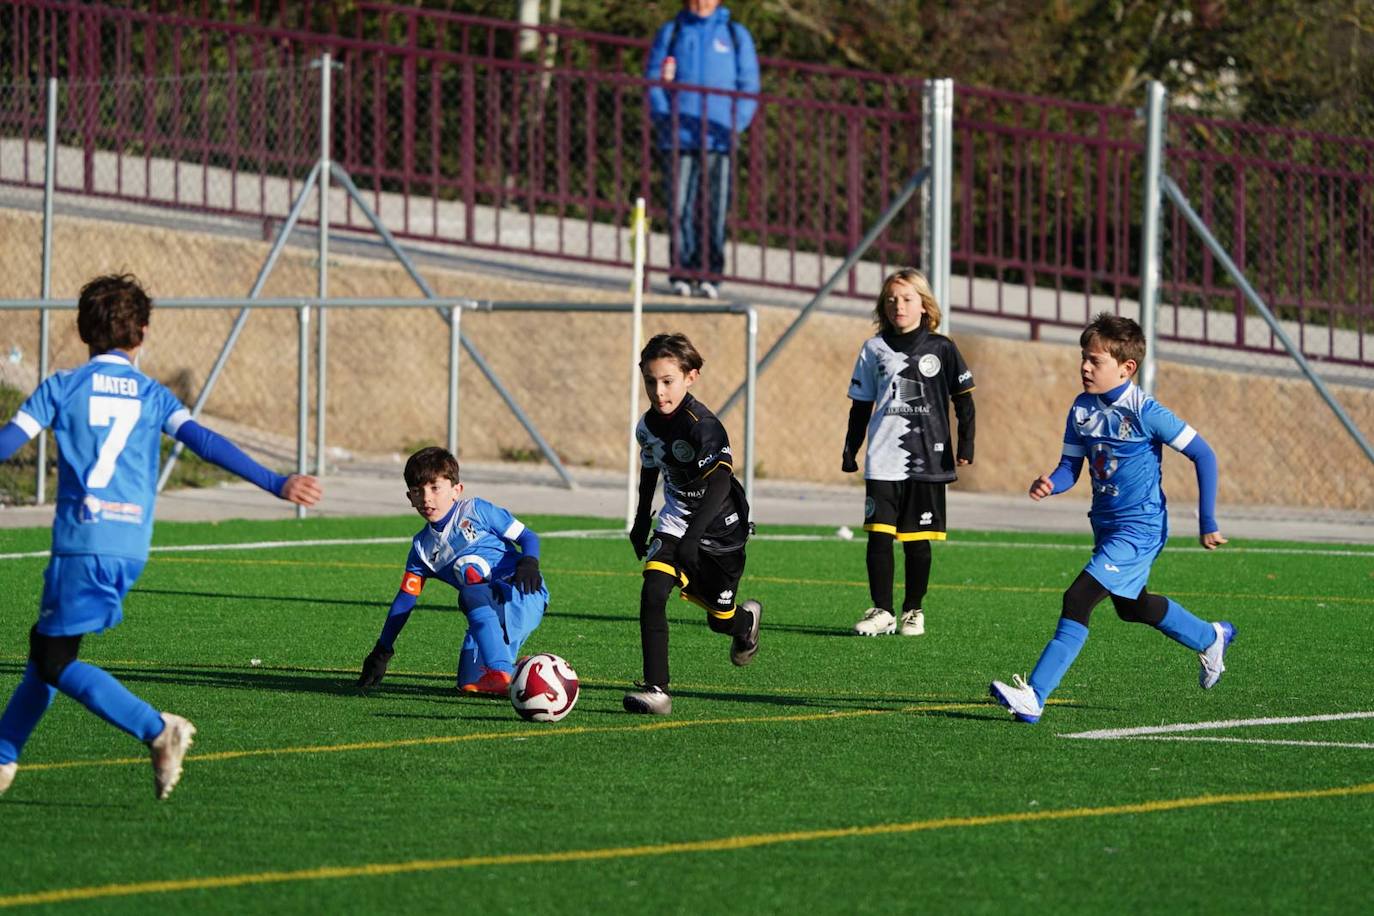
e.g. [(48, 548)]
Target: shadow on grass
[(555, 612)]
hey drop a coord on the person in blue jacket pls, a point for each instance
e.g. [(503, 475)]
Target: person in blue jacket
[(695, 132)]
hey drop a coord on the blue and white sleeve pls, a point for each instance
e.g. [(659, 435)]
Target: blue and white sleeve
[(1164, 426), (1065, 475), (499, 520), (33, 416)]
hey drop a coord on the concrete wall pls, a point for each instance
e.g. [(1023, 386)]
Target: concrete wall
[(1277, 443)]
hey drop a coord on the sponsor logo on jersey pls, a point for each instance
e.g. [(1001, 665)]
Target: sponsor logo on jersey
[(968, 374), (683, 451), (939, 447), (929, 365), (412, 584), (732, 518)]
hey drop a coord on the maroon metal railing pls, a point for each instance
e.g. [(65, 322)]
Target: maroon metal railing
[(456, 136)]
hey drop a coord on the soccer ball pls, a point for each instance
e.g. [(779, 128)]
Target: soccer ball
[(544, 688)]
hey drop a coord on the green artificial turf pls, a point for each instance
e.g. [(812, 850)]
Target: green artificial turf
[(835, 774)]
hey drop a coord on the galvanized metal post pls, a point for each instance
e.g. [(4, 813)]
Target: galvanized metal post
[(1150, 229), (40, 492), (455, 336), (322, 286), (937, 135), (751, 353), (302, 392)]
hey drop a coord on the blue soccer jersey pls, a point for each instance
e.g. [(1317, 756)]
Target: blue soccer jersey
[(1121, 442), (474, 545), (108, 419)]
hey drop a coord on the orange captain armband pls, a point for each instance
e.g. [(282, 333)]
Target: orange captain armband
[(411, 584)]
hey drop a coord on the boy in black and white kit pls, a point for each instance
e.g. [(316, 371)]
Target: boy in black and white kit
[(704, 523), (903, 382)]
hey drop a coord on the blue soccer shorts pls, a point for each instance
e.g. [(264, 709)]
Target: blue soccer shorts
[(83, 593), (1123, 553), (520, 615)]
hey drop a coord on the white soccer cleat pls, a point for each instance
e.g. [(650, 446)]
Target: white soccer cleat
[(744, 648), (648, 701), (1019, 698), (1213, 657), (876, 622), (913, 623), (7, 771), (169, 750)]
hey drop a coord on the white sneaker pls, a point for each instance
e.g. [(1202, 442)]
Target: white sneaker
[(682, 288), (708, 290), (7, 771), (1018, 697), (169, 749), (744, 648), (650, 701), (1212, 658), (913, 623), (876, 622)]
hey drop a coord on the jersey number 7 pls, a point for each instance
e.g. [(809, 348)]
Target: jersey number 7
[(121, 414)]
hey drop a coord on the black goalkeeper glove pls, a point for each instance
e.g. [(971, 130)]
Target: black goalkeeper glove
[(686, 553), (526, 578), (847, 462), (639, 536), (374, 667)]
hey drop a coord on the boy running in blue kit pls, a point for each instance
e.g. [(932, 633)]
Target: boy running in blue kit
[(1119, 431), (108, 419), (470, 544)]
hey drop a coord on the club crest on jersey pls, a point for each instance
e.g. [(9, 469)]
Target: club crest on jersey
[(468, 531), (1101, 461), (683, 451), (929, 365), (1124, 430)]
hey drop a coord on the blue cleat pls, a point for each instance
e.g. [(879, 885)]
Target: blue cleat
[(1019, 698), (1212, 658)]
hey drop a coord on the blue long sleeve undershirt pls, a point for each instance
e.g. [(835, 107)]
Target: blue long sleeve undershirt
[(1205, 463), (214, 448)]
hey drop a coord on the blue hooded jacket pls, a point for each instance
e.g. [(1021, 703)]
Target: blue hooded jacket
[(706, 54)]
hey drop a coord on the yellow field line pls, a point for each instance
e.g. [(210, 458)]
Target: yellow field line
[(531, 732), (719, 844), (777, 580)]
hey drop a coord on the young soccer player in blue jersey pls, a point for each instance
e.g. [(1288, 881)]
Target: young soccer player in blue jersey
[(1120, 432), (471, 545), (108, 419)]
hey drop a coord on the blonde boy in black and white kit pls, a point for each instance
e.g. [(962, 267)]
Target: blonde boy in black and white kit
[(704, 523), (903, 382)]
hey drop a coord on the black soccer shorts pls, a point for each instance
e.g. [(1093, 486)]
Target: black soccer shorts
[(909, 510), (711, 583)]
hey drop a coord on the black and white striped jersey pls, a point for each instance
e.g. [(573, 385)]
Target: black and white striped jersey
[(909, 378), (688, 446)]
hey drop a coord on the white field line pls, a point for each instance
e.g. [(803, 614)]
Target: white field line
[(1147, 731), (617, 533), (1222, 739)]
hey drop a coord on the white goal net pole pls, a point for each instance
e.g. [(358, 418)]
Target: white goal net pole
[(638, 238)]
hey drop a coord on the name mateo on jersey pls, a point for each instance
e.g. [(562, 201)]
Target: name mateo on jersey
[(113, 384)]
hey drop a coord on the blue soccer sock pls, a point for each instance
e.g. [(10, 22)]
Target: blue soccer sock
[(1182, 626), (1059, 654), (484, 625), (26, 707), (99, 692), (469, 667)]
